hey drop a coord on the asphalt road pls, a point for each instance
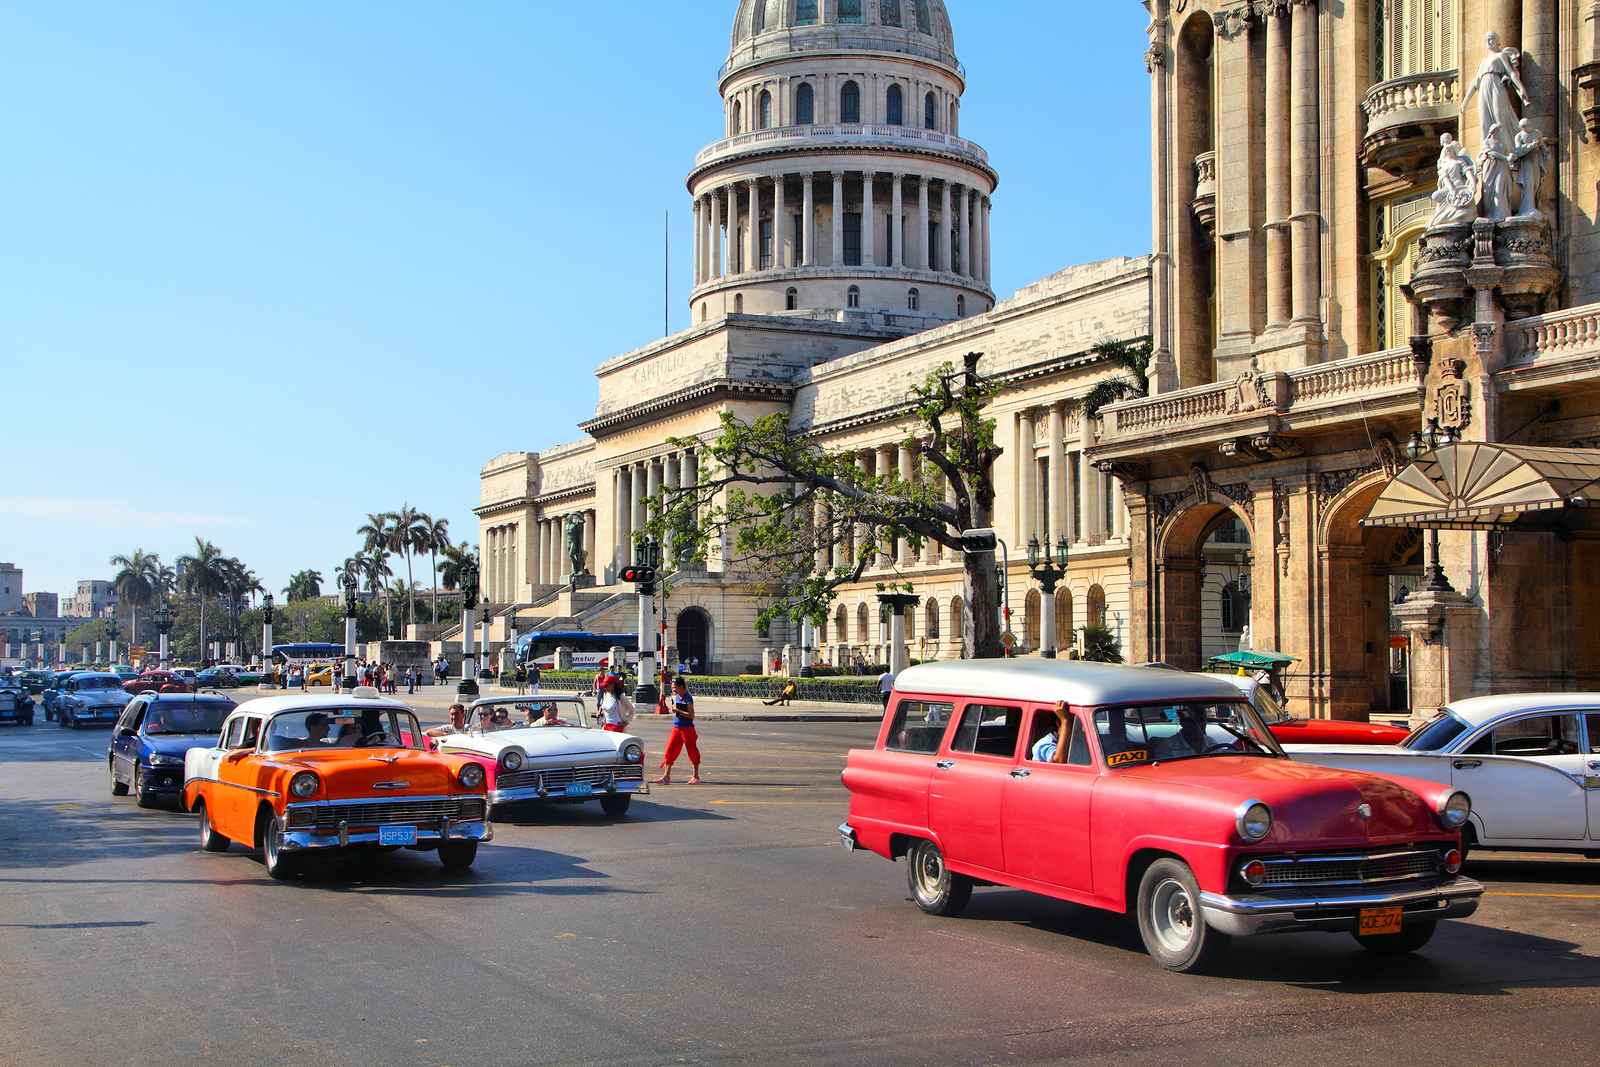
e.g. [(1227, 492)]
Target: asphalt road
[(715, 924)]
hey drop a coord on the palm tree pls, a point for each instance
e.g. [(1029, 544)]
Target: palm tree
[(405, 592), (137, 583), (406, 535), (204, 576), (375, 569), (1100, 645), (455, 558), (1131, 356), (376, 538), (304, 585), (438, 539)]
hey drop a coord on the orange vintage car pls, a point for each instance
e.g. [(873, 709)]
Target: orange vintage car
[(298, 775)]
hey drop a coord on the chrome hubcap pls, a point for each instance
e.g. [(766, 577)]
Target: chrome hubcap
[(1172, 915), (930, 873)]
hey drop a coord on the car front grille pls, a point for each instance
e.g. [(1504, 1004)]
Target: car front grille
[(384, 813), (1345, 868), (555, 777)]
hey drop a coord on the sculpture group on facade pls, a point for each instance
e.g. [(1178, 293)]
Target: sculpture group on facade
[(1504, 182)]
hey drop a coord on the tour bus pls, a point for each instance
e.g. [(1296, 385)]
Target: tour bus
[(588, 650), (305, 653)]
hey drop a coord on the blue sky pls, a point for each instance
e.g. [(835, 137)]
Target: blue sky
[(268, 266)]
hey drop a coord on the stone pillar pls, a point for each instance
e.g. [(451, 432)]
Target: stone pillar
[(823, 524), (944, 227), (887, 469), (1279, 267), (1304, 178), (869, 220), (1086, 494), (1119, 508), (1505, 18), (640, 487), (1540, 62), (752, 230), (591, 530), (1058, 474), (780, 219), (699, 240), (653, 486), (963, 207), (1234, 122), (902, 549), (896, 232), (1027, 479), (862, 531), (716, 234), (838, 218), (977, 237), (924, 258), (808, 226), (952, 553), (624, 516), (988, 242)]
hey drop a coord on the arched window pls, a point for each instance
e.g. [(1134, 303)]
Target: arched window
[(896, 108), (850, 103), (929, 113), (961, 306), (911, 626), (956, 621), (1063, 617), (791, 299), (863, 624), (930, 619), (889, 12), (951, 126), (849, 10), (805, 13), (913, 300), (1095, 614), (853, 297), (841, 621), (1030, 619), (738, 303), (703, 310), (766, 111), (738, 118), (805, 106), (923, 22)]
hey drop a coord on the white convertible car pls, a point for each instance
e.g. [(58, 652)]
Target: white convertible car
[(549, 748), (1529, 761)]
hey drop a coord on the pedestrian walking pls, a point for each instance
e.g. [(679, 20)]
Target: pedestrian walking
[(533, 677), (616, 709), (411, 679), (885, 685), (683, 737), (521, 676)]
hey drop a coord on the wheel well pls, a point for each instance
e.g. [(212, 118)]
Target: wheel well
[(264, 815), (900, 844), (1138, 863)]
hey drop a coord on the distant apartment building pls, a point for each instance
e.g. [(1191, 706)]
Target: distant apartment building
[(94, 597), (10, 589), (41, 605)]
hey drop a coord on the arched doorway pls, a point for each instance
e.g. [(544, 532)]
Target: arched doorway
[(1225, 589), (863, 624), (1065, 638), (1362, 665), (694, 640), (1192, 569), (1030, 620)]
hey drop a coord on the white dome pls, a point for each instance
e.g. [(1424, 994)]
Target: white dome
[(918, 26)]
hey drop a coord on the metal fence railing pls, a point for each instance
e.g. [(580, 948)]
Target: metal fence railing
[(864, 691)]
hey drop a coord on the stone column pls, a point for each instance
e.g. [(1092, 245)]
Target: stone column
[(886, 470), (535, 546), (624, 516), (907, 458), (838, 218), (860, 534), (944, 227), (1086, 486), (869, 220), (591, 531), (1505, 18), (699, 223), (977, 237), (1540, 61), (988, 243), (808, 227), (752, 232), (924, 258), (1303, 172), (716, 234), (1119, 508), (1279, 267), (952, 553), (780, 219), (639, 486), (1058, 474), (1027, 479), (823, 524), (896, 234), (963, 199), (654, 484)]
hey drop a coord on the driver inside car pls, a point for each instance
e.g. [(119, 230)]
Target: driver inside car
[(1190, 740)]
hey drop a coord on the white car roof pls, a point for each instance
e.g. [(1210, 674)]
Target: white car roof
[(277, 705), (1049, 680), (1476, 711)]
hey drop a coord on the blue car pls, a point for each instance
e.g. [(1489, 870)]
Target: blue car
[(93, 699), (155, 732)]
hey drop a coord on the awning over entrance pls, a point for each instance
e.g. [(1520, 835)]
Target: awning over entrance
[(1475, 486)]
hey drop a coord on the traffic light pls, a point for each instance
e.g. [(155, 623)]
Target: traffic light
[(641, 575)]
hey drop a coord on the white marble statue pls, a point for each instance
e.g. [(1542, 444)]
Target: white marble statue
[(1494, 175), (1457, 194), (1497, 76), (1528, 156)]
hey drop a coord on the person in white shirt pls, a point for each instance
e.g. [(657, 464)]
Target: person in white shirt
[(885, 686), (616, 710)]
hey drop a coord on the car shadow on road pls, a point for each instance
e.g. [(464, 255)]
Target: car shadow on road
[(535, 814), (48, 833), (1503, 867)]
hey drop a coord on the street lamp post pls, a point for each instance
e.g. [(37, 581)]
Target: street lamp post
[(467, 688), (1048, 573), (267, 681), (163, 619), (896, 604), (647, 690), (113, 631), (349, 683), (1433, 578)]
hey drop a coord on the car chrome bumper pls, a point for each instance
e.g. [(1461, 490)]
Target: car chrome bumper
[(847, 835), (431, 833), (559, 792), (1335, 909)]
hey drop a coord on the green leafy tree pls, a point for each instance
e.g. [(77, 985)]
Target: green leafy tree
[(138, 582), (783, 502), (1099, 644), (1130, 356), (205, 576), (304, 585), (377, 537), (437, 539), (408, 533), (455, 560)]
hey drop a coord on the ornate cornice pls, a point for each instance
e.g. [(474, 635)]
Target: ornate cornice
[(718, 389)]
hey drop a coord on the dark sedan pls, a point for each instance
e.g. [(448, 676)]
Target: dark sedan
[(157, 682), (217, 678), (155, 731), (16, 706)]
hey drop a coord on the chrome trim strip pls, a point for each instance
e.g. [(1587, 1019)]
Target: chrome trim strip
[(1265, 904), (507, 796), (386, 800), (235, 785), (307, 841)]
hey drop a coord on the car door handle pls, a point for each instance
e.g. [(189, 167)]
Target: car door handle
[(1020, 772), (1594, 765), (945, 764), (1465, 764)]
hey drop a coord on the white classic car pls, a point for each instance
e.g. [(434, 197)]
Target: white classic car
[(1529, 761), (549, 748)]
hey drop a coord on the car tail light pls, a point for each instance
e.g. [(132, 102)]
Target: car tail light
[(1452, 861), (1254, 872)]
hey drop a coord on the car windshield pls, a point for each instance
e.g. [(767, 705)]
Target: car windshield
[(187, 717), (1267, 707), (1156, 733), (1435, 734), (520, 714), (99, 683), (343, 728)]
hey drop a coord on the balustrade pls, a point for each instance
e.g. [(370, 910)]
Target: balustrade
[(1575, 331)]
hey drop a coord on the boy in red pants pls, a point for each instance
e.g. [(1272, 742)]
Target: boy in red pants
[(683, 736)]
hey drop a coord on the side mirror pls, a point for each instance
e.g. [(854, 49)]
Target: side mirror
[(128, 731)]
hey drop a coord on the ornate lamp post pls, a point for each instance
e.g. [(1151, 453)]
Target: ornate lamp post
[(467, 688), (113, 631), (1425, 441), (647, 690), (1048, 573), (163, 618), (896, 604), (267, 681), (349, 683)]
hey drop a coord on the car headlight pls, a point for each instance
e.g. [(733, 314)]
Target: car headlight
[(166, 761), (470, 775), (511, 759), (1253, 820), (1454, 812), (633, 752), (303, 785)]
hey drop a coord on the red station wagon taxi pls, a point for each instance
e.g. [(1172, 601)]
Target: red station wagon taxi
[(1170, 797), (301, 775)]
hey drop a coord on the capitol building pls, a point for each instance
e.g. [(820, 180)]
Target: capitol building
[(1373, 402)]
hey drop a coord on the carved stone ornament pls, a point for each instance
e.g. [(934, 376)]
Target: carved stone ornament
[(1155, 56), (1452, 404), (1263, 447), (1250, 391), (1331, 483), (1238, 492), (1126, 472), (1202, 483), (1390, 458)]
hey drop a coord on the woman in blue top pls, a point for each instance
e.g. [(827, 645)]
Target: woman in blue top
[(683, 736)]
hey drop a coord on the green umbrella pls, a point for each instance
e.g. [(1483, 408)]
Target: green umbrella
[(1253, 660)]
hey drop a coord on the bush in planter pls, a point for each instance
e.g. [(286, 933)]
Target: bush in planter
[(508, 679)]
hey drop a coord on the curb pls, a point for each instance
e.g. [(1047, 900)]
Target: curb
[(703, 716)]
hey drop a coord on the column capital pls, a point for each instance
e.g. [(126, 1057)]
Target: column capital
[(753, 181), (923, 180), (838, 175), (807, 175), (897, 176)]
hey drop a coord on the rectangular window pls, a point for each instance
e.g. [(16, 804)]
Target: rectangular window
[(799, 239), (849, 10), (889, 12), (918, 726), (805, 12), (955, 249), (988, 730), (1107, 517), (852, 238), (1041, 518), (888, 245), (1074, 472), (1042, 740), (766, 244), (933, 246)]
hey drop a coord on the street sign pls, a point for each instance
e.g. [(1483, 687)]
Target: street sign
[(1008, 639), (136, 651)]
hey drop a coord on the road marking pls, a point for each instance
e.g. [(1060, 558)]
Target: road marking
[(1561, 896)]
